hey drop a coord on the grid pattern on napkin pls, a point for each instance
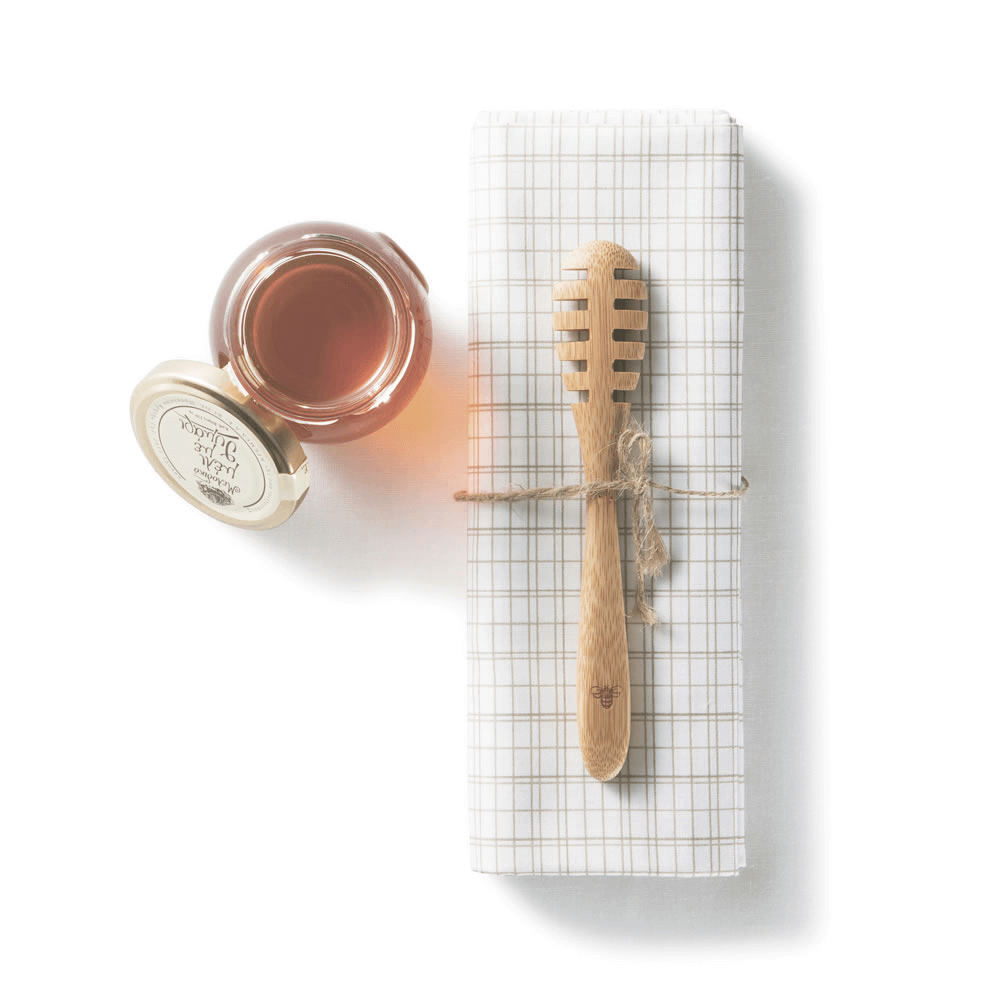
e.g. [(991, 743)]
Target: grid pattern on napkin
[(669, 187)]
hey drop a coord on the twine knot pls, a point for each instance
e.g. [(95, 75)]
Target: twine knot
[(635, 449)]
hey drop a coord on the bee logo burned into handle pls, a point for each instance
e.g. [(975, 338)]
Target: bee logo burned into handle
[(606, 695)]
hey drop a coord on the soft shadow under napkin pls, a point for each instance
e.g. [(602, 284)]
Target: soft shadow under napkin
[(669, 187)]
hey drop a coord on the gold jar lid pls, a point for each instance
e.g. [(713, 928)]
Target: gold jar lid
[(219, 450)]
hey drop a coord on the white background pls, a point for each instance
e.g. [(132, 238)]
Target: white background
[(232, 764)]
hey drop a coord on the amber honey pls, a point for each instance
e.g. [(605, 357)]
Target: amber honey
[(319, 328), (325, 325)]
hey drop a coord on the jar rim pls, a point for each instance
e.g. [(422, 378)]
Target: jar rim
[(379, 387)]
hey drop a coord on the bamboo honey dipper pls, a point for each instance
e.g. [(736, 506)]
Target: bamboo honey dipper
[(603, 707)]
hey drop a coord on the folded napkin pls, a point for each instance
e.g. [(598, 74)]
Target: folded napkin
[(668, 186)]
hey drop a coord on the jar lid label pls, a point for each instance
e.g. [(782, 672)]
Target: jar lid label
[(214, 457), (216, 448)]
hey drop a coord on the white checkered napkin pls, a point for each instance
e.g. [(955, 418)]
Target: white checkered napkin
[(669, 187)]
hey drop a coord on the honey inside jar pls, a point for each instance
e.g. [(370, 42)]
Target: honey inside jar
[(318, 328)]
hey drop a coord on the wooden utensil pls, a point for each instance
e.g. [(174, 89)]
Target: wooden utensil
[(602, 669)]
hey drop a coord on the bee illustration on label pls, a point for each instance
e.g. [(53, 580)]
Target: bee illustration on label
[(215, 495), (607, 694)]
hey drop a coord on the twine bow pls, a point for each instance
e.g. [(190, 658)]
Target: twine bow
[(634, 453)]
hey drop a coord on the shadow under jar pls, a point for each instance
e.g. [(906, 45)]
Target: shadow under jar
[(321, 332)]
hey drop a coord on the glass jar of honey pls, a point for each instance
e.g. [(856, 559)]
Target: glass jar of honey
[(321, 332)]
